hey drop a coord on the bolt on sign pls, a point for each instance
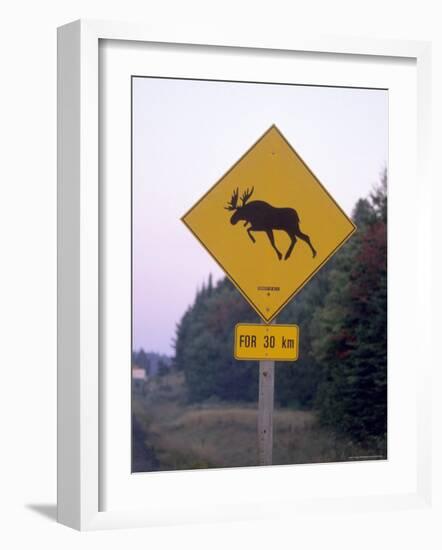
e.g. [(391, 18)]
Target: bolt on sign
[(266, 342), (269, 223)]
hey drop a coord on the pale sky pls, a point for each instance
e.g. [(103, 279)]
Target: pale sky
[(187, 134)]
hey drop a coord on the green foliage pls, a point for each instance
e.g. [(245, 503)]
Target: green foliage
[(297, 383), (351, 330), (163, 369), (204, 346)]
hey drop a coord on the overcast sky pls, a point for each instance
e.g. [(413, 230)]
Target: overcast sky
[(187, 134)]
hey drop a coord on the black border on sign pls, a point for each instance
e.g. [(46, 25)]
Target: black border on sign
[(267, 325), (268, 319)]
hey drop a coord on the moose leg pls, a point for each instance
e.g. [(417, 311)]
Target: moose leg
[(250, 235), (306, 238), (292, 244), (272, 242)]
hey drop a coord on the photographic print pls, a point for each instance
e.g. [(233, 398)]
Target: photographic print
[(259, 274)]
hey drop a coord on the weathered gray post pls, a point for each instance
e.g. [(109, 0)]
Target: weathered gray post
[(265, 411)]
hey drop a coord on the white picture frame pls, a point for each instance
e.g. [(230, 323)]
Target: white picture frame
[(79, 294)]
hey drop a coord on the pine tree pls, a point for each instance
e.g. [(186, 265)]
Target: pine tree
[(351, 342)]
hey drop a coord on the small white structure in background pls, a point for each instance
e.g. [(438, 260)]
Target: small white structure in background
[(138, 374), (139, 378)]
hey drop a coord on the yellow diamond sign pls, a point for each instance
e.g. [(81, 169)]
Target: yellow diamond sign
[(269, 223)]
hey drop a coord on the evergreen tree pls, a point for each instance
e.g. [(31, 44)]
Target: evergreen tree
[(204, 346), (351, 330)]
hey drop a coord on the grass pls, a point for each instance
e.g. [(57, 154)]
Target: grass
[(217, 434)]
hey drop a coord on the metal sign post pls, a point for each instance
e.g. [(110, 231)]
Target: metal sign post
[(266, 343), (265, 411)]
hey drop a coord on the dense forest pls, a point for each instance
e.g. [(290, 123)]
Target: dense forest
[(341, 373)]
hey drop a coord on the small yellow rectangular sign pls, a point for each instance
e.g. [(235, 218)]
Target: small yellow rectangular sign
[(266, 342)]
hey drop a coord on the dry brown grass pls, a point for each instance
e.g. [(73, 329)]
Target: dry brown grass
[(225, 435)]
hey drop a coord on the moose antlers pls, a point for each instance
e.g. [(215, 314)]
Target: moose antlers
[(233, 201), (232, 205), (246, 195)]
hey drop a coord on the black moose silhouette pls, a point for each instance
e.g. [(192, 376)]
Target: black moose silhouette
[(262, 216)]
